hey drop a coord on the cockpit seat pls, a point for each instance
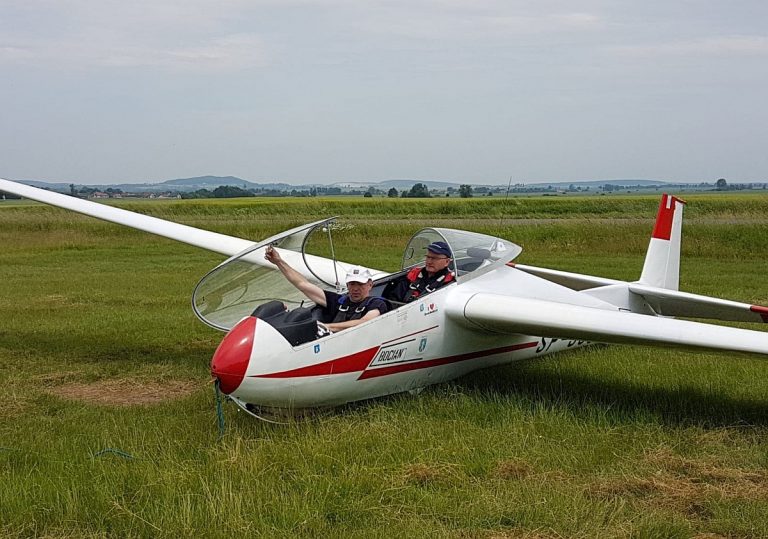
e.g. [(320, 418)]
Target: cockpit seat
[(269, 309), (297, 326), (476, 257)]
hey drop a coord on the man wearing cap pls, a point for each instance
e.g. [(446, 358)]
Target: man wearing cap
[(341, 311), (434, 274)]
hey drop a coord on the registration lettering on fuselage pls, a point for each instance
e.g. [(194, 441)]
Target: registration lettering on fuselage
[(395, 353)]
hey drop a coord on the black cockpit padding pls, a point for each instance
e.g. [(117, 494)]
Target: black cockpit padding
[(318, 313), (297, 326), (299, 314), (269, 309)]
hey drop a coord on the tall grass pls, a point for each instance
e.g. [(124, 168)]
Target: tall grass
[(599, 442)]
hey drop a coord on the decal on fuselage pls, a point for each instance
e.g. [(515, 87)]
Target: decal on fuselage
[(545, 344), (428, 308), (395, 353)]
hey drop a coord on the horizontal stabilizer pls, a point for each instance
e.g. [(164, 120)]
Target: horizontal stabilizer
[(515, 315), (673, 303), (574, 281)]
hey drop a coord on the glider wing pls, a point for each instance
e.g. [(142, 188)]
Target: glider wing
[(213, 241), (508, 314)]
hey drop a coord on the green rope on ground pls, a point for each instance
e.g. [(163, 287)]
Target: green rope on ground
[(219, 409), (114, 451)]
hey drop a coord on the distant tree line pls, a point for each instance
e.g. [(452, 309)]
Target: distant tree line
[(723, 185), (418, 190)]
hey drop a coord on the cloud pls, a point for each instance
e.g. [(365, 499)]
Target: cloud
[(710, 46), (222, 53), (163, 34), (478, 24), (16, 54), (231, 52)]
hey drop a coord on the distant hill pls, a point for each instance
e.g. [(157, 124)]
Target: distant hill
[(62, 187), (212, 182), (207, 180)]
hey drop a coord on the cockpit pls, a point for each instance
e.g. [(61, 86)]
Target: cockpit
[(247, 284)]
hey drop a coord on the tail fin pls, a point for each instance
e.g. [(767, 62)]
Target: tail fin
[(662, 261)]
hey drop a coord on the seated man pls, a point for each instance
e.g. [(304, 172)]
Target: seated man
[(434, 274), (341, 311)]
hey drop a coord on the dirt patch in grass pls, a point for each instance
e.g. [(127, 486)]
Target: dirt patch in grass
[(684, 485), (126, 392), (512, 469), (521, 534), (427, 474)]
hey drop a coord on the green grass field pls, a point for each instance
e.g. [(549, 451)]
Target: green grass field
[(100, 350)]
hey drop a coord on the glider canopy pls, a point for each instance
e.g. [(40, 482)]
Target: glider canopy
[(232, 290)]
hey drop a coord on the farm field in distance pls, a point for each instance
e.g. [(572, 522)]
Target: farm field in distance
[(108, 426)]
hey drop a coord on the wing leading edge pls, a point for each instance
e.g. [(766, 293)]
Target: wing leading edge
[(506, 314), (213, 241)]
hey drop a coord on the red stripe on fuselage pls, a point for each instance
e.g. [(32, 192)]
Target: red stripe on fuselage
[(762, 311), (414, 365), (360, 360), (352, 363), (409, 335)]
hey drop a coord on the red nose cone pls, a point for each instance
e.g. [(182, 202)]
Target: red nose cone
[(231, 357)]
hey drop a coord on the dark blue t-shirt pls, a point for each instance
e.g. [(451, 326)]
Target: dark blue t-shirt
[(352, 311)]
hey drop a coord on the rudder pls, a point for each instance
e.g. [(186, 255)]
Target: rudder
[(662, 261)]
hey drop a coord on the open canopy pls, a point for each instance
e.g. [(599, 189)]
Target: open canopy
[(236, 287)]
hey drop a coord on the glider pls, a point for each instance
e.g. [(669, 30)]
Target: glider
[(494, 312)]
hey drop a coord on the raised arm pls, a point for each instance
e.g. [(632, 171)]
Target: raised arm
[(312, 291)]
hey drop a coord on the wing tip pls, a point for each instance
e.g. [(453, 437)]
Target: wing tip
[(762, 311)]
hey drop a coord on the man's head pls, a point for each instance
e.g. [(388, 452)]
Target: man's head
[(359, 283), (438, 256)]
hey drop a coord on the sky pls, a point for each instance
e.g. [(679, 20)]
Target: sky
[(321, 91)]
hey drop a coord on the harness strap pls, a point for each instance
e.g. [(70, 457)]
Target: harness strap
[(343, 314), (421, 283)]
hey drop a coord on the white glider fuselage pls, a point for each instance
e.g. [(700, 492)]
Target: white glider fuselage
[(418, 344)]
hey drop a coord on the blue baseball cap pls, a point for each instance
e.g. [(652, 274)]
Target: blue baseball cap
[(440, 248)]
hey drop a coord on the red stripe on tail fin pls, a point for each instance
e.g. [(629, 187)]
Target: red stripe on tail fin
[(663, 228)]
